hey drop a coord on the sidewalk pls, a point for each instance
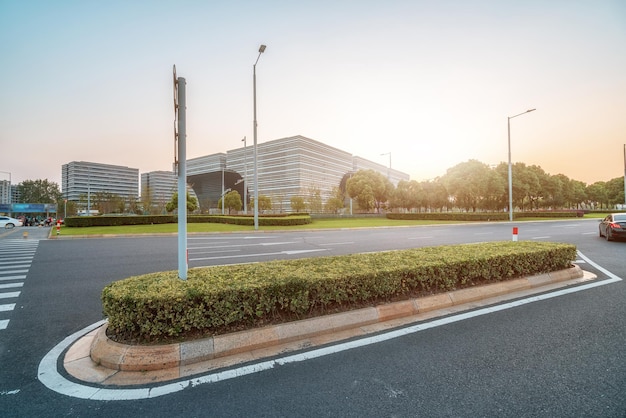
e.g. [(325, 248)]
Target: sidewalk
[(27, 232)]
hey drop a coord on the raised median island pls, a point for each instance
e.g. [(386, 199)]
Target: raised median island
[(160, 308)]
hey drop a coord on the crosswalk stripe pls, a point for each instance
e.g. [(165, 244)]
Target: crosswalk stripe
[(12, 278), (15, 271), (11, 285), (14, 266), (16, 258), (7, 307)]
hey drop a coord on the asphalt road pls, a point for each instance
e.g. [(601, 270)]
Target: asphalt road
[(559, 355)]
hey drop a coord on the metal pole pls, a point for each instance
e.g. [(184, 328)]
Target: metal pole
[(256, 170), (245, 174), (625, 176), (510, 169), (222, 190), (510, 173), (182, 181)]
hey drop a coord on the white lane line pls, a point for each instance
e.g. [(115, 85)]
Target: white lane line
[(4, 324), (9, 295), (51, 378), (337, 243), (545, 237), (257, 255)]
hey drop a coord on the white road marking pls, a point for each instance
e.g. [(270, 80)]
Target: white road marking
[(10, 285), (4, 324), (7, 307), (9, 295), (256, 255), (52, 379), (12, 277)]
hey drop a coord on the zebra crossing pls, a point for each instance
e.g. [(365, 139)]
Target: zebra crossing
[(16, 257)]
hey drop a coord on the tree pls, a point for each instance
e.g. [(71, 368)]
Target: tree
[(232, 201), (297, 204), (406, 195), (369, 188), (39, 191), (335, 203), (315, 201), (468, 184), (265, 203), (172, 205)]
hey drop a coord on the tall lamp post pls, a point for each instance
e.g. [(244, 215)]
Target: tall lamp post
[(256, 171), (245, 174), (625, 176), (510, 169)]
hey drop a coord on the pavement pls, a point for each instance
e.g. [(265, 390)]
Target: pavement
[(98, 361)]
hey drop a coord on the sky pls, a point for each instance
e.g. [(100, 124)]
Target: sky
[(431, 82)]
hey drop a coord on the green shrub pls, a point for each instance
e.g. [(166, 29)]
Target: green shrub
[(115, 220), (159, 307), (482, 216)]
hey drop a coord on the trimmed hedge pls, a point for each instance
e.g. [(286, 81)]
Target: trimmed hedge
[(481, 216), (114, 220), (160, 307)]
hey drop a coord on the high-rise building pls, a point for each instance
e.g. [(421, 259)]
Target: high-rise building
[(81, 179), (5, 191)]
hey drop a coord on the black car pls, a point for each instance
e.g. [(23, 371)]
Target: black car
[(613, 226)]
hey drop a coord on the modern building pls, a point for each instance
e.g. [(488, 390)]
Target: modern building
[(5, 191), (287, 167), (157, 187), (81, 179)]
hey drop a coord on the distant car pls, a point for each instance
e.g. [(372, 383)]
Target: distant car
[(613, 226), (9, 223)]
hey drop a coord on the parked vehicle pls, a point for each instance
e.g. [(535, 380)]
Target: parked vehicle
[(9, 223), (613, 226)]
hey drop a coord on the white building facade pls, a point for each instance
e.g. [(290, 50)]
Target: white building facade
[(81, 178)]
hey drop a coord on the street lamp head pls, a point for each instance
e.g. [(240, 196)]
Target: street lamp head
[(262, 49)]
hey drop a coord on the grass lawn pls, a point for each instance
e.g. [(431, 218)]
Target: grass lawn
[(316, 224)]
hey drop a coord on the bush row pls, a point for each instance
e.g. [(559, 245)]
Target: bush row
[(481, 216), (113, 220), (160, 307)]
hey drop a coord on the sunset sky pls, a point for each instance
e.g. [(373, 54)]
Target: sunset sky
[(431, 82)]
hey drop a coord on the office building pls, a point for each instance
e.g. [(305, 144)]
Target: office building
[(287, 167), (81, 179), (5, 191)]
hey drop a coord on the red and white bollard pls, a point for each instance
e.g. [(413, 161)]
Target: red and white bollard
[(514, 234), (58, 227)]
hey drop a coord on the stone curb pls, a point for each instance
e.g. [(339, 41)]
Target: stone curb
[(122, 357)]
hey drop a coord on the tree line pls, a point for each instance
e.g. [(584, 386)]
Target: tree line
[(474, 186), (469, 186)]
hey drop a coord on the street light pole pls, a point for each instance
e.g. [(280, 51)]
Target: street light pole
[(510, 169), (625, 176), (245, 174), (256, 171)]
